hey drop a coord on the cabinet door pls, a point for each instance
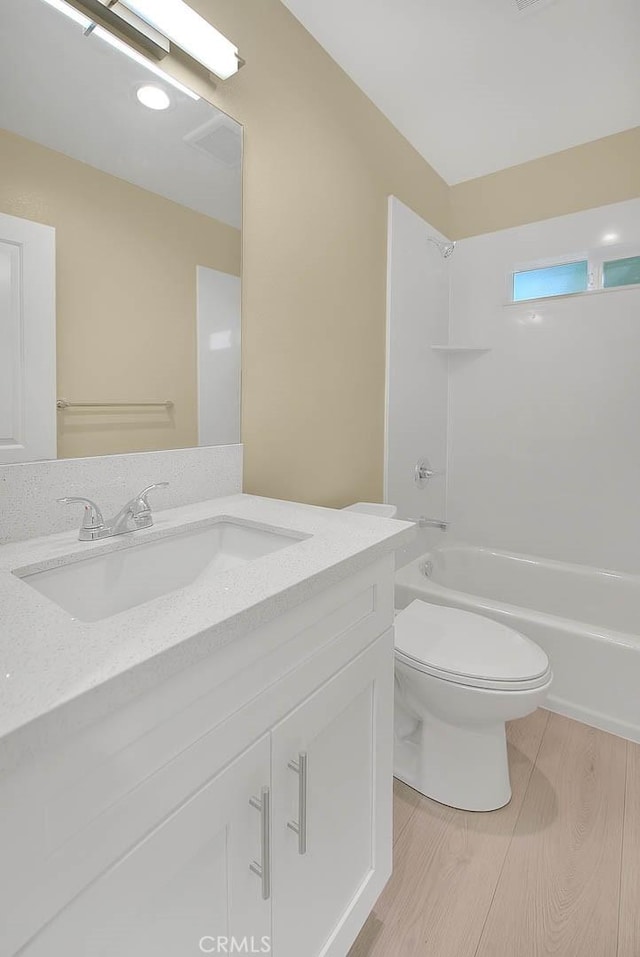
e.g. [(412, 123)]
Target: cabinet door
[(329, 869), (189, 879)]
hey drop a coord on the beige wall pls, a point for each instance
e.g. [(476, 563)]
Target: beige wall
[(320, 162), (603, 171), (126, 295)]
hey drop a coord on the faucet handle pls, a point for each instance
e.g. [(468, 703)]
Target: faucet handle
[(92, 517), (142, 497), (423, 472)]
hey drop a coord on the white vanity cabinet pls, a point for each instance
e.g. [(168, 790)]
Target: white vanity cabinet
[(186, 880), (252, 802), (321, 872)]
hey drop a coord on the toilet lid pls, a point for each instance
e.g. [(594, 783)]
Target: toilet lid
[(467, 648)]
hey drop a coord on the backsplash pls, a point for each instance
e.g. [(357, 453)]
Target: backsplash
[(28, 491)]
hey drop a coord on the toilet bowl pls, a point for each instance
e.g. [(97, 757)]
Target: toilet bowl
[(459, 678)]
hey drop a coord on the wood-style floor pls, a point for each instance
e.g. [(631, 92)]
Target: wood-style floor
[(556, 873)]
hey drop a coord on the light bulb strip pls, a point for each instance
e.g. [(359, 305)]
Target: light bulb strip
[(86, 23), (119, 19), (194, 35)]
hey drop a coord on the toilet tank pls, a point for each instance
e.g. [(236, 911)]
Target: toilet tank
[(373, 508)]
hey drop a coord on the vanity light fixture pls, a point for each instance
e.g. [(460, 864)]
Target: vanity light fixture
[(153, 97), (180, 23), (92, 29)]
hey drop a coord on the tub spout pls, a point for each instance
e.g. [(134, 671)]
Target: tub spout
[(432, 523)]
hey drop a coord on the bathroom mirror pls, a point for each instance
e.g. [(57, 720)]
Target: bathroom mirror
[(120, 247)]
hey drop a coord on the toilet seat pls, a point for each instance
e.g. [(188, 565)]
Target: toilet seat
[(467, 649)]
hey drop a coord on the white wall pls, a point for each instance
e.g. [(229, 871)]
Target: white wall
[(418, 305), (544, 430)]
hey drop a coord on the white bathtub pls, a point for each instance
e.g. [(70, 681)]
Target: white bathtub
[(586, 619)]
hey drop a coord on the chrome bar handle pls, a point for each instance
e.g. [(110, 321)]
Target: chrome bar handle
[(263, 869), (299, 827)]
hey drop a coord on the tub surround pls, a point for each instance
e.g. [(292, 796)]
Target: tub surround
[(538, 461), (28, 490), (60, 674), (417, 377), (515, 426), (543, 450)]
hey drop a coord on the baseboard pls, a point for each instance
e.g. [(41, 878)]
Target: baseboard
[(595, 719)]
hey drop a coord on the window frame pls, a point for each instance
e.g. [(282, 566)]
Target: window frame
[(611, 254), (595, 259)]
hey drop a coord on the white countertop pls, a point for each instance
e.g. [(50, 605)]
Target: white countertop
[(58, 674)]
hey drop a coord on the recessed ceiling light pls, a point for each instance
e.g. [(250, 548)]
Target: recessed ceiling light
[(153, 97), (610, 238)]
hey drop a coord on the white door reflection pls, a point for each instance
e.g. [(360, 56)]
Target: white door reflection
[(219, 339)]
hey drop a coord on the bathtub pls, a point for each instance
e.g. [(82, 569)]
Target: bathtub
[(586, 619)]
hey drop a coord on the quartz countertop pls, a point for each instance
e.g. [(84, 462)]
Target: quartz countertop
[(59, 674)]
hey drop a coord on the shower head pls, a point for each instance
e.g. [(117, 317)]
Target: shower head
[(446, 248)]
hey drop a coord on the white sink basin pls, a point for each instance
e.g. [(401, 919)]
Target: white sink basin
[(102, 585)]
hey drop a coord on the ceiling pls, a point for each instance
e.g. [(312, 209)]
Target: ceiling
[(479, 85), (77, 95)]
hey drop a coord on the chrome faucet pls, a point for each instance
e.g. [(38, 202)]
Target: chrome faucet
[(134, 515)]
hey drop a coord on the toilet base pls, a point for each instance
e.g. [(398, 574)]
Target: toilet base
[(462, 767)]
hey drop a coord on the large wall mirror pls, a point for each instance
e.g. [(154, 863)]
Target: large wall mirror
[(120, 217)]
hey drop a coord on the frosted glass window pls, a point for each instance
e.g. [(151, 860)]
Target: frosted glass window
[(551, 281), (621, 272)]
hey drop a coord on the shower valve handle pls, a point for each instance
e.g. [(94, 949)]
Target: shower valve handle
[(423, 472)]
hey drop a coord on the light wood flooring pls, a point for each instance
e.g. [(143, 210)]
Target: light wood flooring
[(556, 873)]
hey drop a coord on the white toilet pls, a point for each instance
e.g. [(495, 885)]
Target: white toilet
[(459, 678)]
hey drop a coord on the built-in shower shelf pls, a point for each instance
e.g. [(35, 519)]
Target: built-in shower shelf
[(461, 348)]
